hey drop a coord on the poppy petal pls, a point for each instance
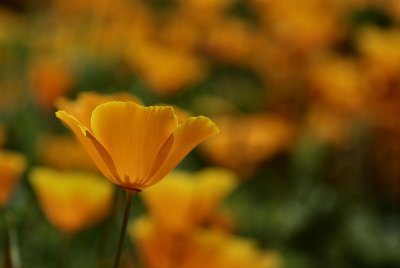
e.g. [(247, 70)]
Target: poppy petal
[(187, 136), (80, 132), (104, 155), (133, 135), (162, 155), (82, 108)]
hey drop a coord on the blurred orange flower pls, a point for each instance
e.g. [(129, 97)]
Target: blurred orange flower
[(205, 12), (327, 125), (316, 26), (161, 66), (380, 48), (180, 33), (381, 58), (215, 249), (185, 200), (231, 41), (205, 248), (345, 92), (132, 145), (247, 140), (12, 165), (72, 201), (50, 79), (73, 157)]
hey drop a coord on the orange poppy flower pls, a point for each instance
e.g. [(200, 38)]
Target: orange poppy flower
[(214, 249), (204, 248), (50, 79), (66, 201), (132, 145), (161, 67), (247, 140), (74, 157), (185, 200), (11, 166)]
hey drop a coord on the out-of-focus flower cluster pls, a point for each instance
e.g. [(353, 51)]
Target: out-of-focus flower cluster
[(185, 229), (275, 77), (321, 71)]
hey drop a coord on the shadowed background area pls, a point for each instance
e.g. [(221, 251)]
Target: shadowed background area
[(304, 173)]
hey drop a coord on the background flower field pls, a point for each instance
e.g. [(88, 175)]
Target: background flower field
[(304, 173)]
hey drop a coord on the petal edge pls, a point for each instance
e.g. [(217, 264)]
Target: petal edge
[(188, 135)]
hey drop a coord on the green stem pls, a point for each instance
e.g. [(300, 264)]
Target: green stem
[(12, 258), (129, 195)]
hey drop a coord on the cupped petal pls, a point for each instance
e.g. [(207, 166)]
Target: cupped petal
[(187, 136), (95, 150), (133, 135), (86, 102)]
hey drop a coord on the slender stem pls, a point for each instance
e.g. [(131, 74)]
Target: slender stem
[(129, 195), (12, 257)]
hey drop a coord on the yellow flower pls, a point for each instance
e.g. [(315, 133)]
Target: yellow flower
[(205, 13), (315, 26), (50, 79), (231, 41), (73, 157), (72, 201), (215, 249), (155, 247), (184, 200), (346, 91), (205, 248), (161, 67), (380, 48), (247, 140), (328, 125), (132, 145), (11, 166)]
